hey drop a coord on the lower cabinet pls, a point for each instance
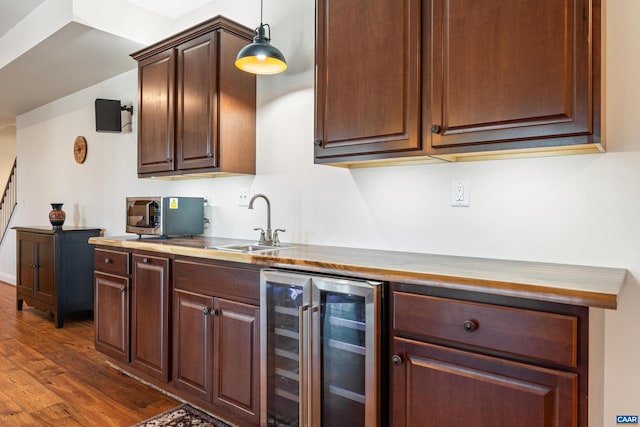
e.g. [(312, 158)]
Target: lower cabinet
[(456, 358), (216, 337), (36, 269), (150, 295), (112, 316), (112, 320), (53, 270), (215, 348), (236, 356), (440, 387), (458, 362), (186, 325), (132, 297), (193, 343)]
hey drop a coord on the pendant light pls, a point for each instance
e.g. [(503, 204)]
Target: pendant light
[(260, 57)]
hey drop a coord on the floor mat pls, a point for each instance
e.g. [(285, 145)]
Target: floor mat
[(183, 416)]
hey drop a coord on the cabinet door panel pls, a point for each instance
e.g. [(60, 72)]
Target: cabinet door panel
[(237, 344), (196, 103), (436, 386), (150, 315), (504, 71), (367, 82), (112, 315), (192, 343), (156, 81), (236, 103), (46, 280), (25, 282)]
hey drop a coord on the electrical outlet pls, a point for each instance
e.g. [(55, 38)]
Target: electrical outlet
[(243, 198), (460, 193)]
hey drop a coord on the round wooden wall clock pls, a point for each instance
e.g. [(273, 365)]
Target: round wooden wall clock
[(80, 149)]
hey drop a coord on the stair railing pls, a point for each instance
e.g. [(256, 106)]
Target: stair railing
[(8, 202)]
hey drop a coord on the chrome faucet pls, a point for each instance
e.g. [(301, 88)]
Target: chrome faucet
[(265, 237)]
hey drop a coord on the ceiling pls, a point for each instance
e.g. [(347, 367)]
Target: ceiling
[(13, 12), (72, 58)]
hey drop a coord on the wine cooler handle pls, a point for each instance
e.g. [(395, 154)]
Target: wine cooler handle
[(315, 371), (304, 354)]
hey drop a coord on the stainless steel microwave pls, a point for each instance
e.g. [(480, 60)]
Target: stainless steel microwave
[(165, 216)]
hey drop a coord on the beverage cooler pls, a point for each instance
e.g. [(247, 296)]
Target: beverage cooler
[(320, 344)]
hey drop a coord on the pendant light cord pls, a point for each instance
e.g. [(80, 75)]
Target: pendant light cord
[(261, 9)]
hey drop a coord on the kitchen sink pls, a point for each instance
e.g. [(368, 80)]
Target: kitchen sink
[(249, 247)]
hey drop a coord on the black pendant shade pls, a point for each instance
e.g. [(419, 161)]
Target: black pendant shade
[(260, 57)]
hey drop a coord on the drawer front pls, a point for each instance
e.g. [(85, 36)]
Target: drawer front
[(217, 280), (532, 334), (111, 262)]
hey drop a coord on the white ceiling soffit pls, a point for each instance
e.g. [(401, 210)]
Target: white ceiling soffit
[(13, 11), (91, 44), (73, 58)]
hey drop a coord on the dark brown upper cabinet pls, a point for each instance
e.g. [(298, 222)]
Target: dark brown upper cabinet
[(196, 110), (443, 79), (368, 85), (513, 75)]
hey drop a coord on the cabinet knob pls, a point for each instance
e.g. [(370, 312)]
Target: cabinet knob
[(436, 129), (396, 359), (213, 312), (317, 142), (145, 260), (168, 159), (107, 261), (470, 325), (122, 289), (205, 311)]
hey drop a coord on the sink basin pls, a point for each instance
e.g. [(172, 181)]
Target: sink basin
[(249, 247)]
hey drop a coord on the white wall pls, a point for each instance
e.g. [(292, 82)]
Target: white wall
[(574, 209)]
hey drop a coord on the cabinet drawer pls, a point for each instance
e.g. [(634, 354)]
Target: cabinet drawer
[(111, 261), (217, 280), (532, 334)]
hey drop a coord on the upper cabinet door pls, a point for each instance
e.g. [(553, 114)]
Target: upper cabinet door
[(367, 79), (196, 103), (156, 132), (512, 74)]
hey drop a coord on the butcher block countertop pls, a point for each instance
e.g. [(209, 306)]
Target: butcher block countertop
[(560, 283)]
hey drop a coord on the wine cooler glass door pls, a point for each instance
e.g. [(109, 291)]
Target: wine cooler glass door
[(284, 320), (345, 351)]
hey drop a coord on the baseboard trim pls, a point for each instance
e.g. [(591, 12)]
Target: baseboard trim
[(9, 279)]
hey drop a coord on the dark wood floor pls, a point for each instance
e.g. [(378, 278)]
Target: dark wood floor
[(54, 377)]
